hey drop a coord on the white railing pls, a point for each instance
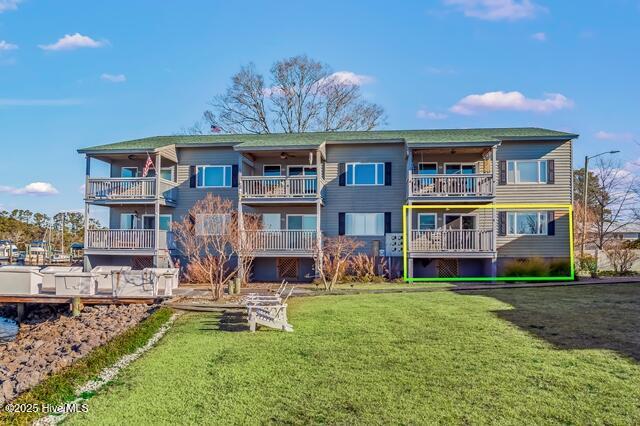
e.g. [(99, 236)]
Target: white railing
[(121, 188), (452, 240), (477, 185), (279, 186), (118, 239), (280, 241)]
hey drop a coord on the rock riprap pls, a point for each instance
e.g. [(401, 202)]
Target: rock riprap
[(50, 339)]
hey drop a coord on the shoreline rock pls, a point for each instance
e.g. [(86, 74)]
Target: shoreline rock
[(50, 339)]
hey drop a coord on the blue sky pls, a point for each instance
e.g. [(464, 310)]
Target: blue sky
[(78, 73)]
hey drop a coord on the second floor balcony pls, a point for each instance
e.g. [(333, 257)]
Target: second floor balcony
[(130, 190), (280, 187), (280, 242), (428, 186), (452, 242), (127, 241)]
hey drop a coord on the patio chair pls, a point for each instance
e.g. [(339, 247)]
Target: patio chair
[(270, 315)]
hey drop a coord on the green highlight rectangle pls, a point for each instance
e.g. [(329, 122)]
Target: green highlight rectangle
[(405, 258)]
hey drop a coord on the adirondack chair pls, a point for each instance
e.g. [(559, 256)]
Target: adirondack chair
[(251, 297), (268, 300), (270, 315)]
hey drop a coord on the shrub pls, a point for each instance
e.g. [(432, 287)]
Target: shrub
[(559, 268), (365, 268), (533, 267), (588, 263)]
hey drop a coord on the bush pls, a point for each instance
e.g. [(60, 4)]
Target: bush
[(559, 268), (534, 267), (588, 263)]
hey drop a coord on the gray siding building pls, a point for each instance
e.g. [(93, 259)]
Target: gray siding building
[(470, 194)]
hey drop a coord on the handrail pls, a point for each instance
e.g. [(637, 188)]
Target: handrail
[(280, 186), (444, 185), (123, 239), (452, 240), (279, 240)]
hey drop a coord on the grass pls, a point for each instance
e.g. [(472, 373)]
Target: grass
[(520, 356), (385, 285), (61, 387)]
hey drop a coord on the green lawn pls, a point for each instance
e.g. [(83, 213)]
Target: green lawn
[(546, 355)]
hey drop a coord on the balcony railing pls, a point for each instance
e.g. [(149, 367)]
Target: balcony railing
[(280, 187), (287, 241), (129, 189), (452, 240), (125, 239), (476, 185)]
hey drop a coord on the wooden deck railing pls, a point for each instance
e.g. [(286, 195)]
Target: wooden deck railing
[(280, 241), (279, 186), (129, 189), (477, 185), (452, 240), (119, 239)]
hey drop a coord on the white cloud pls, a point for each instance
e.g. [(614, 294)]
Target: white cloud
[(71, 42), (510, 101), (496, 10), (4, 45), (8, 5), (114, 78), (39, 102), (430, 115), (539, 36), (611, 136), (346, 78), (34, 188)]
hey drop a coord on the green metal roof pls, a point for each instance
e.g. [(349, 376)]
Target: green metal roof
[(314, 139)]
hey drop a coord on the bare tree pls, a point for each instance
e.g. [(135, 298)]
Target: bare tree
[(336, 254), (621, 256), (303, 95), (208, 238)]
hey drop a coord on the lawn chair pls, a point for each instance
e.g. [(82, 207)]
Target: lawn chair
[(276, 296), (270, 315)]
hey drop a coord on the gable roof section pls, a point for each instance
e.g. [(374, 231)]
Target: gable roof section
[(314, 139)]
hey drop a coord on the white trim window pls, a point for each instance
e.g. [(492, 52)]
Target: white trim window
[(213, 177), (301, 222), (527, 171), (527, 223), (166, 173), (128, 221), (212, 224), (364, 224), (129, 172), (365, 174), (427, 222), (149, 221)]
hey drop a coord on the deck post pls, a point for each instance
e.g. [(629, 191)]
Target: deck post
[(241, 271), (76, 307), (319, 188), (156, 242), (409, 171), (85, 258), (20, 308), (410, 268)]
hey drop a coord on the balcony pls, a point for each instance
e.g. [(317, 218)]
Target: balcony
[(126, 241), (280, 243), (130, 190), (270, 188), (452, 242), (451, 186)]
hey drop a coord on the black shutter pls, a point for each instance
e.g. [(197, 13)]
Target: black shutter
[(551, 171), (234, 175), (551, 223), (341, 226), (342, 177), (387, 174), (502, 223), (387, 222), (502, 171), (193, 176)]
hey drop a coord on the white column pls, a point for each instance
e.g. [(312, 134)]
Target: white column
[(241, 271), (409, 170), (87, 173), (319, 187), (156, 242)]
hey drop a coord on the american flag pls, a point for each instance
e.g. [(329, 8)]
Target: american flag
[(148, 165), (215, 128)]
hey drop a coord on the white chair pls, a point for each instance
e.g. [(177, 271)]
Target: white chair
[(270, 314), (20, 280), (253, 297)]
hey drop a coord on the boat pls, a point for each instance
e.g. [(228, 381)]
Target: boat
[(8, 251)]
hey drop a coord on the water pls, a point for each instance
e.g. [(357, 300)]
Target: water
[(8, 330)]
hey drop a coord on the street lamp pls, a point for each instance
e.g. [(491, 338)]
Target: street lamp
[(585, 190)]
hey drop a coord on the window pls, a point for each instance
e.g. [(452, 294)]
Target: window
[(271, 170), (167, 173), (128, 221), (302, 222), (149, 222), (459, 169), (211, 224), (427, 168), (527, 223), (527, 171), (426, 221), (214, 177), (365, 174), (271, 221), (302, 171), (364, 224), (129, 172), (459, 221)]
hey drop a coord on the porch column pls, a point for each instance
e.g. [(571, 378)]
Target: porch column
[(409, 170), (320, 187), (241, 271), (156, 239), (408, 242), (85, 260)]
